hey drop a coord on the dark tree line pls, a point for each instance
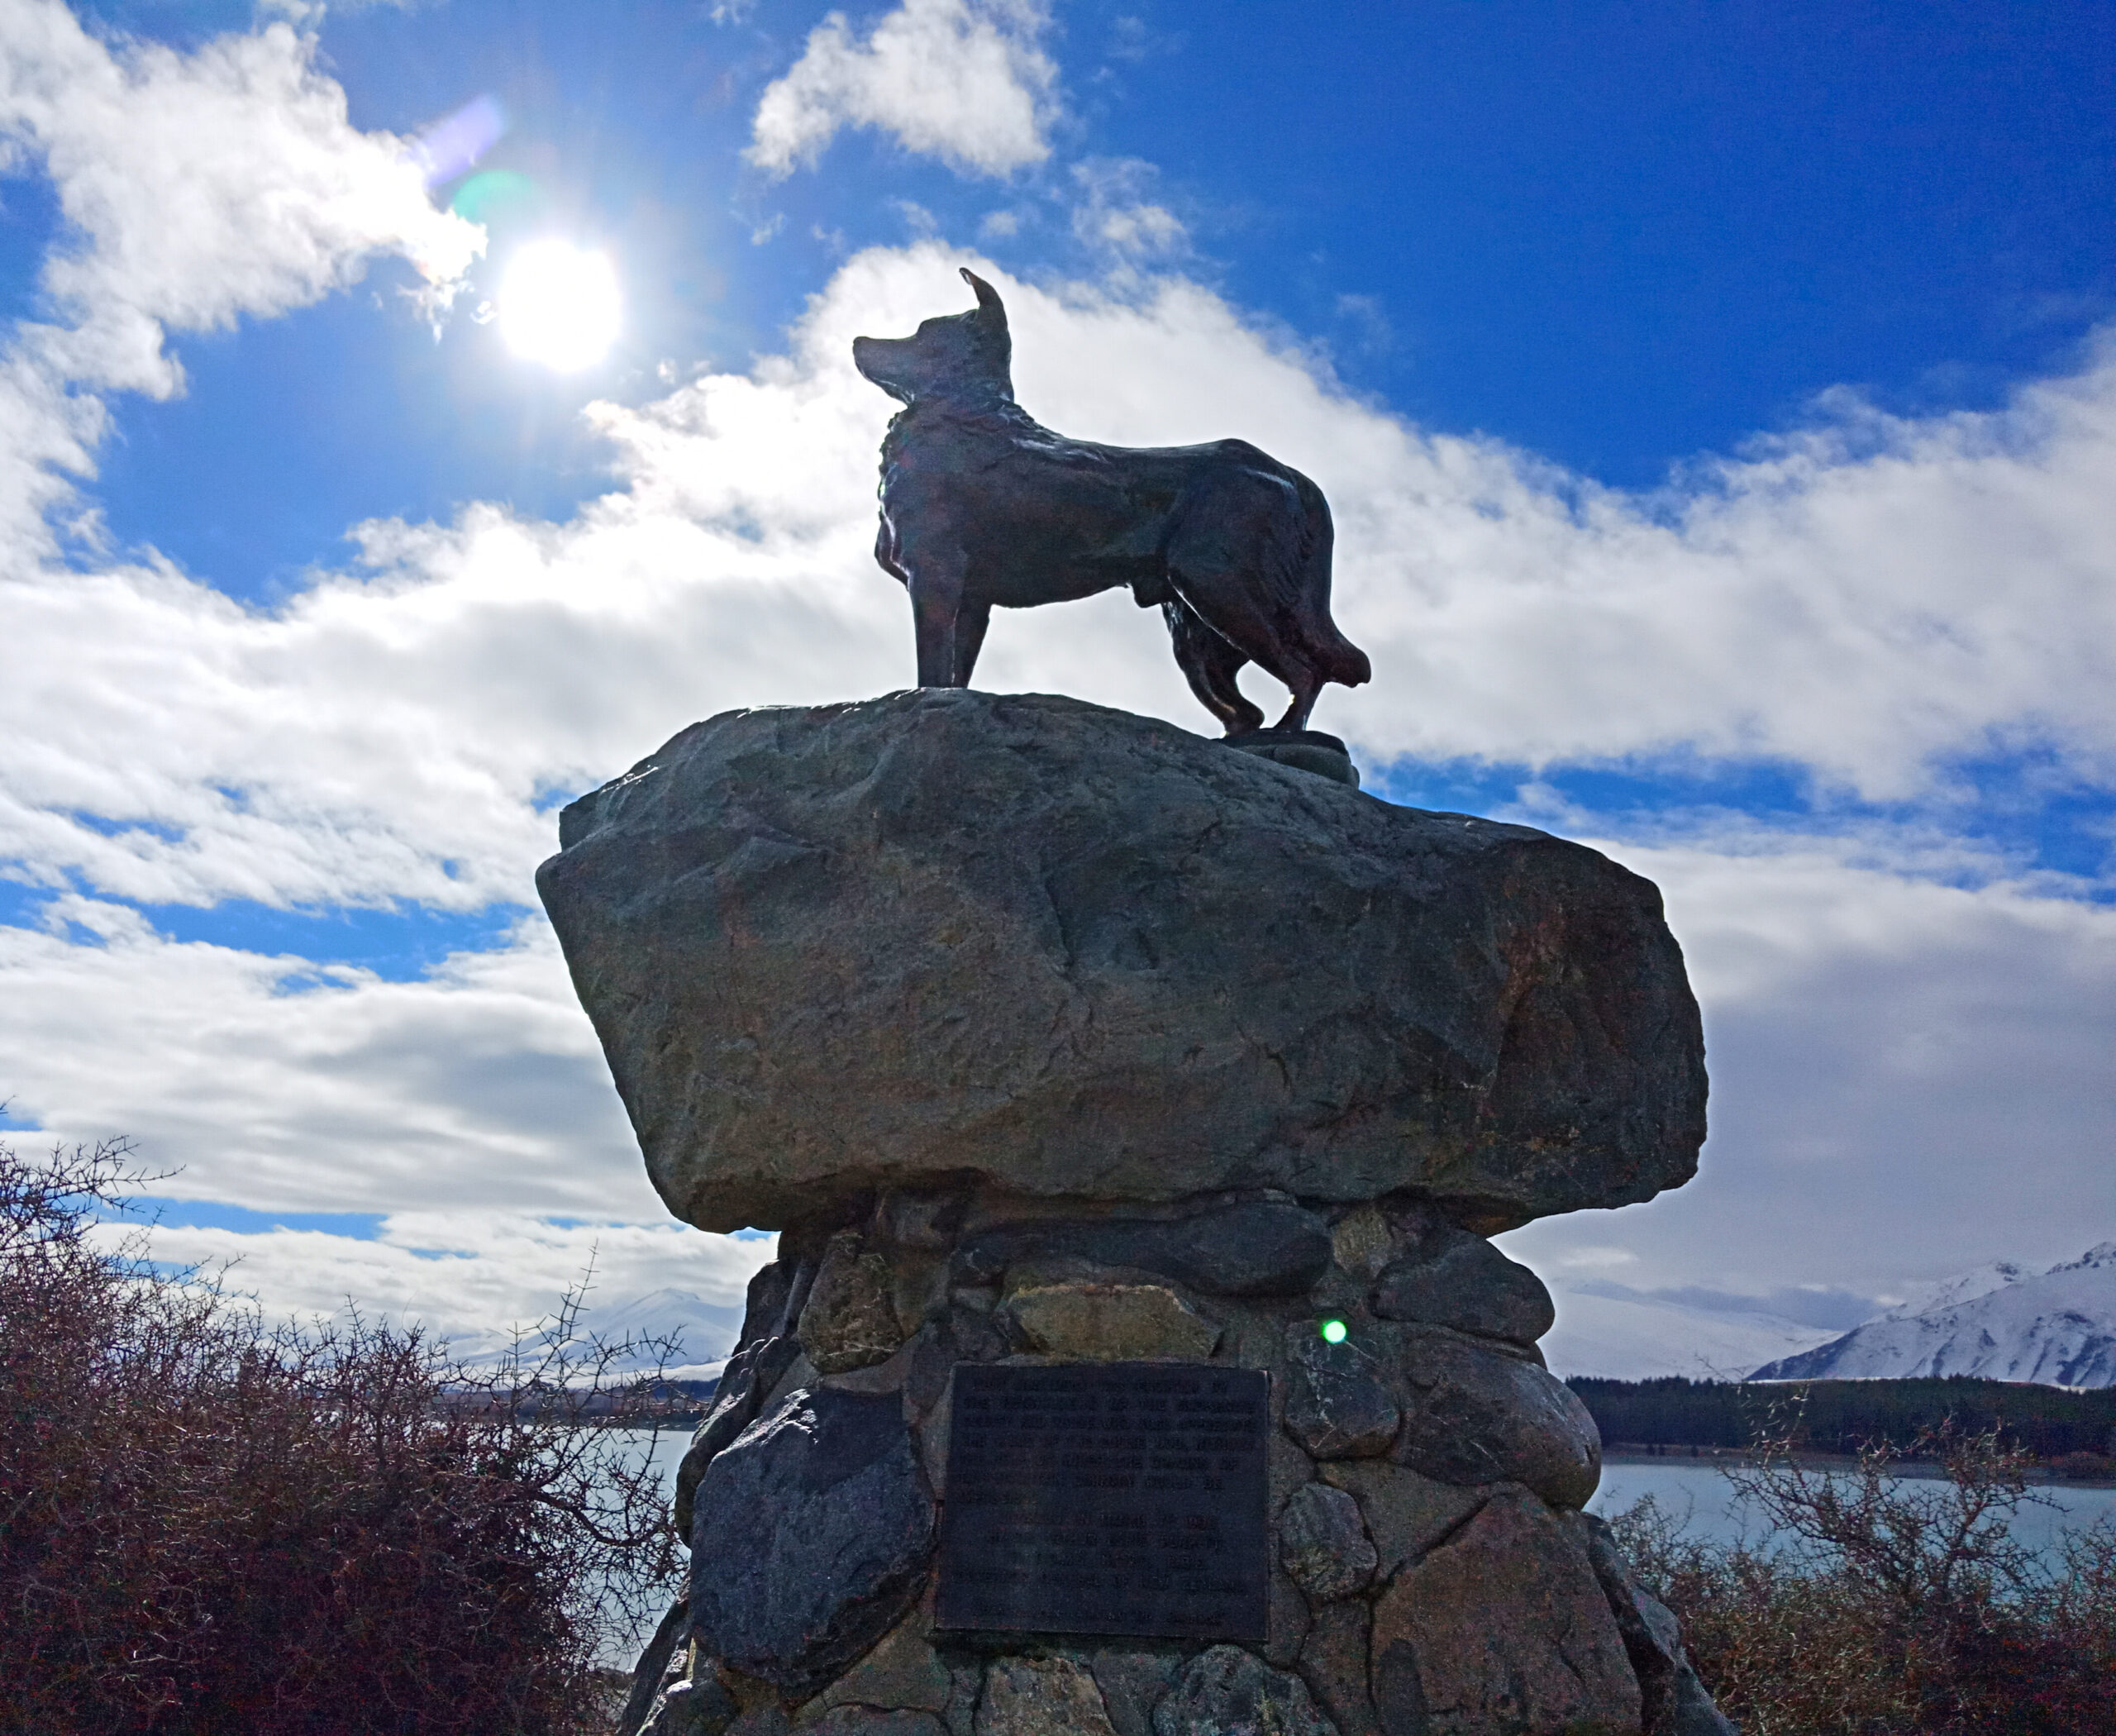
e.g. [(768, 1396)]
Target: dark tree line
[(1846, 1416)]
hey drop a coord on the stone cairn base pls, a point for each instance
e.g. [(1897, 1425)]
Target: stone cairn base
[(1431, 1569)]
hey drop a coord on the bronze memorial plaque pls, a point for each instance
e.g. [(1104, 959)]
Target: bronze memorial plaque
[(1107, 1498)]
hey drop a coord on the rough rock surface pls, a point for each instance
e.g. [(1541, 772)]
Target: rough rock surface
[(902, 1673), (1503, 1629), (748, 1377), (1324, 1545), (1227, 1692), (1133, 1684), (1675, 1700), (853, 1720), (1080, 953), (851, 1318), (812, 1531), (1333, 1663), (1458, 1280), (1336, 1405), (1406, 1513), (1261, 1247), (1480, 1417), (693, 1708), (1041, 1696), (1112, 1322)]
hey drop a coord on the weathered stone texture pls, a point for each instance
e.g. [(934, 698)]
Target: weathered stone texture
[(1080, 953), (1227, 1692), (1503, 1631), (1133, 1684), (1475, 1416), (853, 1721), (850, 1319), (813, 1534), (1261, 1247), (1406, 1513), (1041, 1696), (902, 1672), (1455, 1278), (1112, 1322), (1676, 1702), (692, 1709), (1324, 1545), (1336, 1404), (1333, 1663)]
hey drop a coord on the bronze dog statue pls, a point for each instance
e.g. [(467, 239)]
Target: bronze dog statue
[(982, 506)]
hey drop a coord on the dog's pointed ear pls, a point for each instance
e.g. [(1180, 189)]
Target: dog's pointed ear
[(988, 298)]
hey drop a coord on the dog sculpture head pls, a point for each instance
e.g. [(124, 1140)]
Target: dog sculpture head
[(967, 357)]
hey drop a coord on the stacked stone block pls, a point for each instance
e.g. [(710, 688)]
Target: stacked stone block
[(1432, 1568)]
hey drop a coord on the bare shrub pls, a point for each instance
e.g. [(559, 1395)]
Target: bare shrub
[(1881, 1605), (209, 1524)]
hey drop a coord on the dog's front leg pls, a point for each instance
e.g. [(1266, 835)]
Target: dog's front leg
[(935, 615)]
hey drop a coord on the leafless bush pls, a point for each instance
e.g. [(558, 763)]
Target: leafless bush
[(210, 1523), (1882, 1605)]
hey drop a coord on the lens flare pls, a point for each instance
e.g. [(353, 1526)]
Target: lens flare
[(494, 195), (558, 304), (1333, 1332), (445, 149)]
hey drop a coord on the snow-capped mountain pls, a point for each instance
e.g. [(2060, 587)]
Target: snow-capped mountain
[(2001, 1322), (1641, 1336), (1925, 1298), (704, 1332)]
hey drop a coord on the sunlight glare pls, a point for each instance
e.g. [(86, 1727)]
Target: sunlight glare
[(558, 305)]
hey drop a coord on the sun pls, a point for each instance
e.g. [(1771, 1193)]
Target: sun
[(558, 305)]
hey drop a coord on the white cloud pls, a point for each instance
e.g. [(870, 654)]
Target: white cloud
[(471, 1277), (1117, 219), (196, 189), (269, 1082), (1907, 1077), (966, 81), (1866, 612)]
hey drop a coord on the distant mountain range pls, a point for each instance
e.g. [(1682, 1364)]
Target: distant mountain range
[(2001, 1322), (1621, 1334), (704, 1332)]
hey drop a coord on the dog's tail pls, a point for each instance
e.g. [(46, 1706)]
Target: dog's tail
[(1335, 656)]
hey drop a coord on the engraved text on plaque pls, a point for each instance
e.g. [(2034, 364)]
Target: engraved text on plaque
[(1107, 1498)]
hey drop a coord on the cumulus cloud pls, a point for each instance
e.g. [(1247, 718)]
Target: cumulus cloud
[(1117, 219), (1865, 600), (966, 81), (473, 1277), (1909, 1077), (273, 1083), (196, 189)]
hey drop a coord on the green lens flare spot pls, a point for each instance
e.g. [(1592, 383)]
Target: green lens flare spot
[(497, 195), (1333, 1332)]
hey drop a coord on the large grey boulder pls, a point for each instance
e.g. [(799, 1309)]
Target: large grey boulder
[(947, 935)]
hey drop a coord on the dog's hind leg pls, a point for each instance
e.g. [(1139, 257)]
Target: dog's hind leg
[(1305, 684), (1209, 663), (969, 638)]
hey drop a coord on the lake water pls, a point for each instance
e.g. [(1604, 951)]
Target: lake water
[(1698, 1494), (1701, 1496)]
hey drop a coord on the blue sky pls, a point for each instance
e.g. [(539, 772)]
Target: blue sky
[(1718, 405)]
